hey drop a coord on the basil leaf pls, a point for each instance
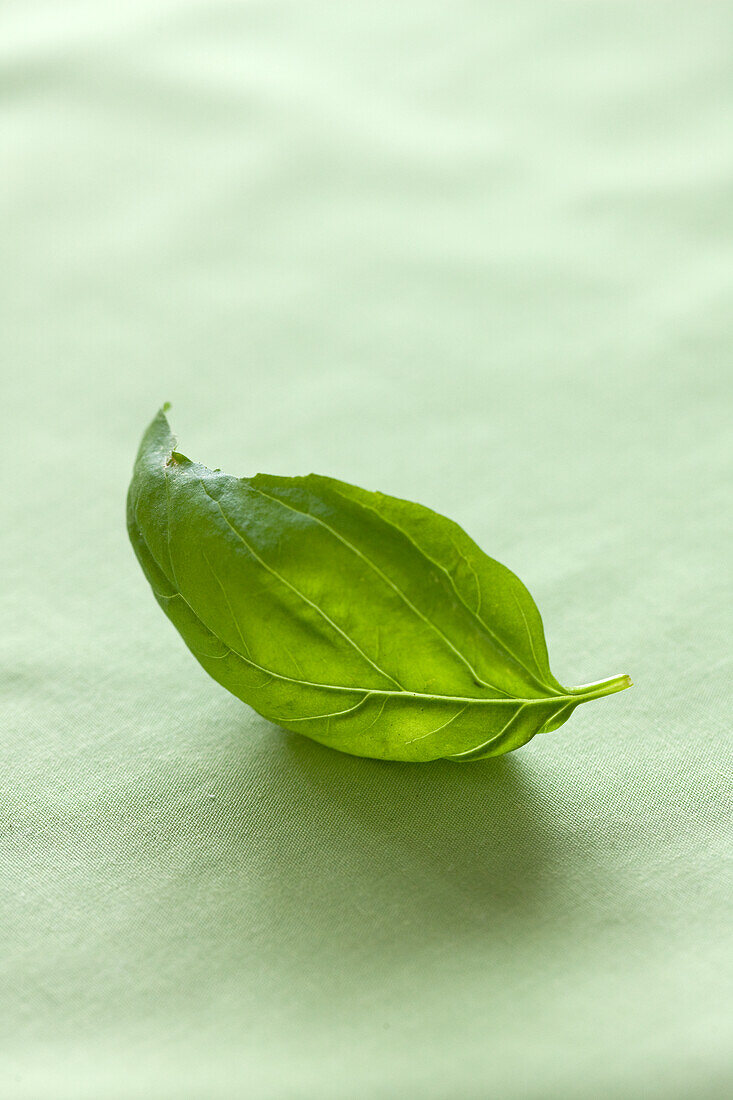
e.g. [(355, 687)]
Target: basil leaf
[(368, 623)]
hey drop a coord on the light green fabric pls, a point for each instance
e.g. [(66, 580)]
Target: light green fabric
[(477, 255)]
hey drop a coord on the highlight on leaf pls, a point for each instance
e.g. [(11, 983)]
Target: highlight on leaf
[(370, 624)]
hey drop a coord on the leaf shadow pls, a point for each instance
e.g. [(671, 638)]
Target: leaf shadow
[(388, 851)]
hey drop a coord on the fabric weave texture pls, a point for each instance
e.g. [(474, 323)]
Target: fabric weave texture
[(476, 255)]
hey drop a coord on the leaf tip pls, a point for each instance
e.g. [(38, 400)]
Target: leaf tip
[(175, 458)]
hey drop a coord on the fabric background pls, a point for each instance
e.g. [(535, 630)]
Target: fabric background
[(477, 255)]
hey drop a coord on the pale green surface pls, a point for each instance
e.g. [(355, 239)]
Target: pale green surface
[(475, 255)]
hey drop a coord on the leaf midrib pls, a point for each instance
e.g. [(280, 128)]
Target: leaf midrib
[(345, 689), (470, 700), (360, 689), (494, 637), (498, 641), (366, 692)]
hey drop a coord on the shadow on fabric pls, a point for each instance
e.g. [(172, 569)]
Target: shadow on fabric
[(380, 854)]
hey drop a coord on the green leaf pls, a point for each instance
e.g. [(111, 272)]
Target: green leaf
[(368, 623)]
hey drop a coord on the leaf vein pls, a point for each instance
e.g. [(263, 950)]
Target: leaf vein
[(387, 580), (331, 714), (471, 753), (495, 637), (301, 595), (439, 728), (235, 620)]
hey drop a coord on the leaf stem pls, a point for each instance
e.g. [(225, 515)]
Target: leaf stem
[(602, 687)]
